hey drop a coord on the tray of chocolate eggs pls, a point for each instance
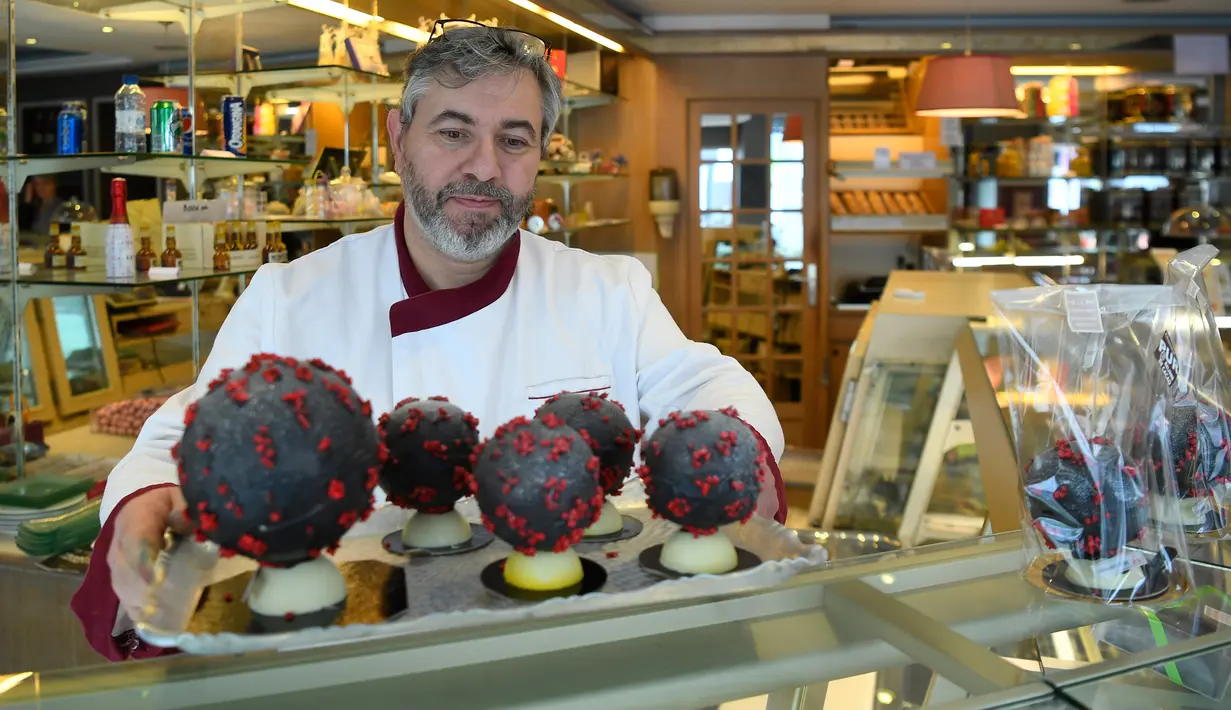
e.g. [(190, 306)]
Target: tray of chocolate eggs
[(548, 514)]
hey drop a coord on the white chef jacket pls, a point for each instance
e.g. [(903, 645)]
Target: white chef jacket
[(544, 319)]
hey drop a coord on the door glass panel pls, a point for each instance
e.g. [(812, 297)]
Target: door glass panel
[(718, 287), (715, 186), (754, 282), (6, 361), (788, 234), (752, 137), (754, 186), (789, 284), (789, 333), (716, 137), (786, 142), (80, 342), (751, 234), (788, 380), (757, 369), (753, 330), (717, 234), (786, 186)]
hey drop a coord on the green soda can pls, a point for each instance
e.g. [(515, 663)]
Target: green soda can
[(164, 127)]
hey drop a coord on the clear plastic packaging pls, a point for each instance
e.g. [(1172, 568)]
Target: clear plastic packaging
[(1199, 434), (1085, 375)]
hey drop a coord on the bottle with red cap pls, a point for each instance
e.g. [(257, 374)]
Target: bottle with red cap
[(121, 253)]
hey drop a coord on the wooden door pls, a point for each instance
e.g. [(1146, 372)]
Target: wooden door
[(754, 226)]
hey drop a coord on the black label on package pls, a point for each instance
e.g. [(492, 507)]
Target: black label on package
[(1167, 360)]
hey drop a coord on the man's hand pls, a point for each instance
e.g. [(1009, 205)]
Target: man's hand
[(138, 539)]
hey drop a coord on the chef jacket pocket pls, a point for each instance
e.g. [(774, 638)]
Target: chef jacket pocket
[(546, 390)]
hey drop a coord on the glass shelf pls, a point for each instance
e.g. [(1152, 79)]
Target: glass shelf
[(908, 224), (98, 277), (577, 96), (316, 76), (595, 224), (308, 224), (568, 178), (863, 169), (147, 164)]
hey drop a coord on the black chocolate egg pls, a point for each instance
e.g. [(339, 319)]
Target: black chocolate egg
[(536, 483), (1199, 463), (430, 442), (702, 469), (1092, 507), (607, 429), (278, 460)]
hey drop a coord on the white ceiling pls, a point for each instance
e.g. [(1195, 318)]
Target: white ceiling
[(919, 7)]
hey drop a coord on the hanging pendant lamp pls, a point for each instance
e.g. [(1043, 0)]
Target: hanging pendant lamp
[(968, 86), (1203, 222)]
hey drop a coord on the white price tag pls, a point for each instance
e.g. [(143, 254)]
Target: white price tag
[(880, 159), (188, 211), (1082, 310), (916, 161)]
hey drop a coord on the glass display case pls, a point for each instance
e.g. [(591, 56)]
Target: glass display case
[(36, 390), (908, 465), (953, 625), (81, 352)]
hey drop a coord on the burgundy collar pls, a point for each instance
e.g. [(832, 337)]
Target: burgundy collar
[(425, 308)]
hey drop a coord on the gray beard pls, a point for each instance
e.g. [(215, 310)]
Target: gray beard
[(477, 236)]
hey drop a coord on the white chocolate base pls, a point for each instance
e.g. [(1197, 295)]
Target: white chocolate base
[(708, 554), (1102, 574), (544, 571), (1189, 512), (307, 587), (609, 521), (435, 530)]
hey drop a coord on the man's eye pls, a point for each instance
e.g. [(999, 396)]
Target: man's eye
[(452, 135), (516, 143)]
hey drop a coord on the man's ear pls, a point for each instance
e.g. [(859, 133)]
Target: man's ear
[(393, 125)]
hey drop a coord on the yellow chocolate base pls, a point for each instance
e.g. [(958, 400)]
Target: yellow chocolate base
[(544, 572)]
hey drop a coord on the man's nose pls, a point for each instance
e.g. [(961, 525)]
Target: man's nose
[(483, 164)]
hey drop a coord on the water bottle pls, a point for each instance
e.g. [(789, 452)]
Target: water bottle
[(130, 117)]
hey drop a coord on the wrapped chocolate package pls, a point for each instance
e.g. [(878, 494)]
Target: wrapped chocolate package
[(1087, 371), (1198, 431)]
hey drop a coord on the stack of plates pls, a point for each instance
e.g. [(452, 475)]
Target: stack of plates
[(11, 517), (73, 528)]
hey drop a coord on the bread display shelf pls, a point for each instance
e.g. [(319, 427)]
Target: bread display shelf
[(884, 211)]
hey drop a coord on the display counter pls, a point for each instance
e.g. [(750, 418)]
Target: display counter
[(957, 619)]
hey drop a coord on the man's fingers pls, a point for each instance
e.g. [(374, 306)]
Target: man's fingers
[(177, 520)]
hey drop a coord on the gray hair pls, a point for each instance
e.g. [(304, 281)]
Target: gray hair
[(466, 54)]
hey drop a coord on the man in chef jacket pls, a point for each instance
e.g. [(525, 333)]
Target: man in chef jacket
[(451, 299)]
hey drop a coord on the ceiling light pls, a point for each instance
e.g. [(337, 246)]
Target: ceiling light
[(397, 29), (1075, 46), (1058, 70), (946, 45), (336, 10), (108, 29), (31, 40), (968, 86), (569, 25)]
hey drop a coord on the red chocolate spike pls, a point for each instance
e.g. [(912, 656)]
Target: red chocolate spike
[(337, 490)]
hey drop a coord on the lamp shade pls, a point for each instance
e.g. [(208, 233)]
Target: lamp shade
[(968, 86), (793, 131), (1201, 222)]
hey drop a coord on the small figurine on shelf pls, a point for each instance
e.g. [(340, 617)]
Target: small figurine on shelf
[(560, 149), (278, 460), (615, 166)]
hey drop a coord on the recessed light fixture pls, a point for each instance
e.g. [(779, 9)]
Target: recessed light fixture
[(946, 45), (1075, 46), (31, 40), (108, 29)]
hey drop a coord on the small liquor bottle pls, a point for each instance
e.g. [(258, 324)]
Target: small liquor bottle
[(270, 243), (250, 240), (278, 256), (146, 254), (54, 257), (235, 241), (171, 256), (75, 258), (222, 257)]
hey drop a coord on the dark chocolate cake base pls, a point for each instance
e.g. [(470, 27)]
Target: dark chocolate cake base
[(265, 624), (593, 578), (479, 538), (651, 561), (632, 528)]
